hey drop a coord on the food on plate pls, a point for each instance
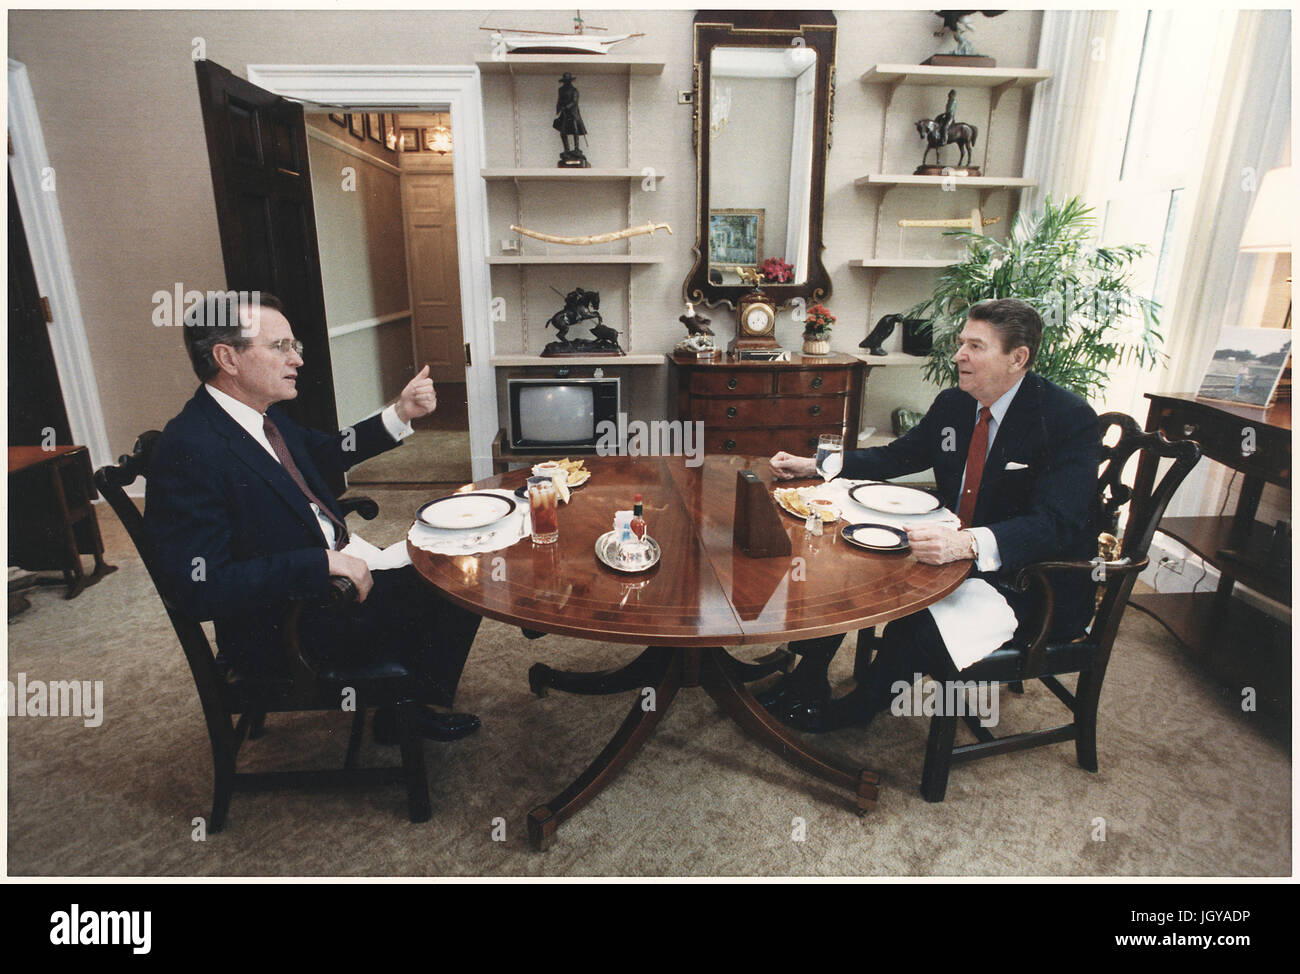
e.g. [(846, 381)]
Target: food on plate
[(560, 480), (575, 472), (793, 500)]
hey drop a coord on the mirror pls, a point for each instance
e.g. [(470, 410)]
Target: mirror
[(763, 90)]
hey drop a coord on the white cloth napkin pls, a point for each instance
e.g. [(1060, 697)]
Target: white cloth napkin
[(510, 530), (975, 619), (377, 559)]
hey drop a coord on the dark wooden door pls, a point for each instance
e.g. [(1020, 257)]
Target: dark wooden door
[(257, 147), (35, 397)]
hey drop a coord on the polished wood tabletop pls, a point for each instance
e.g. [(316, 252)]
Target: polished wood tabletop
[(703, 592), (702, 597)]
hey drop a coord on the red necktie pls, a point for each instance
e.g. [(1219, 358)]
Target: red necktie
[(291, 468), (979, 448)]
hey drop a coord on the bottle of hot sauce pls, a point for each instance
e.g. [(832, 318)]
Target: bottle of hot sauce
[(638, 522)]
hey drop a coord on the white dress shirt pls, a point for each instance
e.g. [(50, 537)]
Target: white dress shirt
[(252, 421), (990, 559)]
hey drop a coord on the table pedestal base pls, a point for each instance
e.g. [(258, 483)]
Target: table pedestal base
[(667, 671)]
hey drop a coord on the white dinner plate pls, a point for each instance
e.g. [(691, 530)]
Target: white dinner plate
[(472, 510), (894, 498), (876, 537)]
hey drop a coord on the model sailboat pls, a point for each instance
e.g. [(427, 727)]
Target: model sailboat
[(512, 41)]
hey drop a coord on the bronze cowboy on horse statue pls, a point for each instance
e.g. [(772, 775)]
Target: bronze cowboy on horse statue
[(941, 131)]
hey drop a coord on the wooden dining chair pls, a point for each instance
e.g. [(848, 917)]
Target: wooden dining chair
[(300, 685), (1041, 658)]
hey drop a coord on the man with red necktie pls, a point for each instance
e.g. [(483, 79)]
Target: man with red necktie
[(243, 521), (1016, 457)]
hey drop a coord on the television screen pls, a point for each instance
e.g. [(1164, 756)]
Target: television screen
[(560, 413)]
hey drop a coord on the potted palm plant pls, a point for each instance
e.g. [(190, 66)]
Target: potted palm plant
[(1093, 320)]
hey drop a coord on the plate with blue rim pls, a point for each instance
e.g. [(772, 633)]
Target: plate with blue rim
[(896, 499), (473, 509), (881, 538)]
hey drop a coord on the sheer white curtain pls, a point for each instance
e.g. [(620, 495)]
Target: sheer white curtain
[(1160, 122)]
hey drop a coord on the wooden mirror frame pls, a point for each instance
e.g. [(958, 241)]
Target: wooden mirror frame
[(773, 29)]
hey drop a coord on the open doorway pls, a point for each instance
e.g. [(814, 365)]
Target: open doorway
[(385, 215)]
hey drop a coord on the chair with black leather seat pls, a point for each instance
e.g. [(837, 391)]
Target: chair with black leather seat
[(1041, 658), (299, 685)]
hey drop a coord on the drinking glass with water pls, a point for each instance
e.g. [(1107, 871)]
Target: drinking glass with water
[(830, 455)]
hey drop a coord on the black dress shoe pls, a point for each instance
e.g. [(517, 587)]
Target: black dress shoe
[(809, 716), (824, 715), (787, 692), (429, 724)]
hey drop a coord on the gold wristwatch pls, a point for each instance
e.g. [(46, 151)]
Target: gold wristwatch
[(974, 545)]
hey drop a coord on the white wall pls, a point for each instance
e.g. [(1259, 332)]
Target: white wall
[(119, 109)]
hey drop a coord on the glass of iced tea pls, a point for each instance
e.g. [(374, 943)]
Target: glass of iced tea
[(543, 501)]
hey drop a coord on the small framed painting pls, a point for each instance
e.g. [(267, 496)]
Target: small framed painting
[(375, 127), (410, 139), (340, 120), (357, 124), (735, 237), (1246, 365)]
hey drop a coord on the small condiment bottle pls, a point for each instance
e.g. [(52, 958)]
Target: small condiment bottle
[(638, 522)]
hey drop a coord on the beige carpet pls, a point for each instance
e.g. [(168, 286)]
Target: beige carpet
[(426, 456), (1187, 787)]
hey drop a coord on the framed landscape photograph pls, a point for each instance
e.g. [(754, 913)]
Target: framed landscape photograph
[(735, 238), (1246, 365)]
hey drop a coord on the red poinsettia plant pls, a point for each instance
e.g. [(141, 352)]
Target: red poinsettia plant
[(776, 271), (818, 322)]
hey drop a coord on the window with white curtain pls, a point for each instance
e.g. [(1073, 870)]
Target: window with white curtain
[(1165, 77)]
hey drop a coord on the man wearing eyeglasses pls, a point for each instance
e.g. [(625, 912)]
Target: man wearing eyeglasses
[(244, 523)]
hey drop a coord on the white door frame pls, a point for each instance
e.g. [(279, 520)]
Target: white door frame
[(35, 186), (424, 87)]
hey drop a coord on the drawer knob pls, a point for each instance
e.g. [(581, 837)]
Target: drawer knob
[(815, 409), (1189, 429), (732, 382), (729, 445), (731, 412), (817, 381)]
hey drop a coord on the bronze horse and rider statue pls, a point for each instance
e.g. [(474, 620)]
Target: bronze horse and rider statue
[(581, 305), (941, 131)]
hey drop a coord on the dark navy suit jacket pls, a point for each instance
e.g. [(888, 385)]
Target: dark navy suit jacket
[(234, 536), (1045, 507)]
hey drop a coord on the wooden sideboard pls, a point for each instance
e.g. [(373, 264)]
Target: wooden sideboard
[(1234, 640), (758, 408)]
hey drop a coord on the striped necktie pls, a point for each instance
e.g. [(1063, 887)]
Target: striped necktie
[(286, 460)]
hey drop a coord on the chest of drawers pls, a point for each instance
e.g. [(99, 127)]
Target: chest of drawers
[(760, 407)]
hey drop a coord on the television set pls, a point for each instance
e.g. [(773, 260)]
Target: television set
[(553, 414)]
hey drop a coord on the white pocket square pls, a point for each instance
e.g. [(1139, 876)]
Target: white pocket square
[(1012, 465)]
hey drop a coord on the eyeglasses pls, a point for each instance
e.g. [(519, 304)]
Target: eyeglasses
[(283, 346)]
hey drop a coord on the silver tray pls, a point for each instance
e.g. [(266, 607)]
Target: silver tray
[(607, 554)]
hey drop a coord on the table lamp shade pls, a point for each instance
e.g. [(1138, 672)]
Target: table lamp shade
[(1269, 228)]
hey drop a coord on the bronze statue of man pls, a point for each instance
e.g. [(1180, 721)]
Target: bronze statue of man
[(568, 122)]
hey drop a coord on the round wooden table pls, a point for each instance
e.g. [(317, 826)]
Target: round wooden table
[(703, 596)]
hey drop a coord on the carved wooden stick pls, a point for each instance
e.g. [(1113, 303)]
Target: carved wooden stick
[(953, 224), (598, 238)]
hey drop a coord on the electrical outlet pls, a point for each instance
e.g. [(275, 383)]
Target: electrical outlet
[(685, 97)]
